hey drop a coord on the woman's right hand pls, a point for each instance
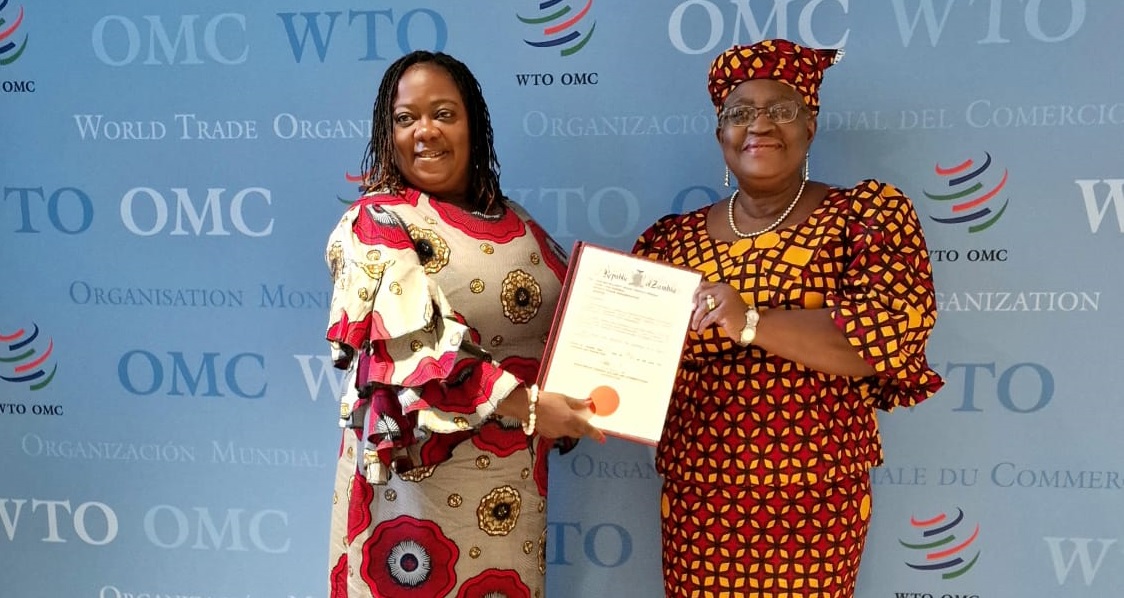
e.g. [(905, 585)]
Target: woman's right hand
[(558, 415)]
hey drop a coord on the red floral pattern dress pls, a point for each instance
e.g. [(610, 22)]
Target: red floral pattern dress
[(765, 461), (436, 496)]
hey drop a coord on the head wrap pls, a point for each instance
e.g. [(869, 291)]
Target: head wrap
[(777, 59)]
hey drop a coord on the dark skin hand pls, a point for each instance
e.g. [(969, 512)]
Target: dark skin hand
[(806, 336), (556, 415)]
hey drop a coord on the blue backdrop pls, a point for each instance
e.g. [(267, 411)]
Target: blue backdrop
[(169, 173)]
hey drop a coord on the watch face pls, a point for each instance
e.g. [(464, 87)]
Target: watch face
[(750, 330)]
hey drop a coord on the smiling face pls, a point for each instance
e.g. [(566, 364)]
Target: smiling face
[(431, 133), (764, 154)]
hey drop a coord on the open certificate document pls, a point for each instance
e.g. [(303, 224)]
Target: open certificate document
[(617, 337)]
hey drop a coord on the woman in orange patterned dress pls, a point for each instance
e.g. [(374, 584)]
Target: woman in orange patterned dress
[(815, 310), (441, 483)]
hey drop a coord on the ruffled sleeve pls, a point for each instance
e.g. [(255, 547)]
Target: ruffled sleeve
[(886, 305), (387, 309)]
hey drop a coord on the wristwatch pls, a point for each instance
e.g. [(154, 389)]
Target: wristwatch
[(750, 331)]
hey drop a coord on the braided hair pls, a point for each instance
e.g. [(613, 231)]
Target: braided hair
[(378, 161)]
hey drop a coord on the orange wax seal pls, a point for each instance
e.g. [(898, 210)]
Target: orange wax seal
[(605, 400)]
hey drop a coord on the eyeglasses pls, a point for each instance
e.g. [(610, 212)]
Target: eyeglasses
[(744, 115)]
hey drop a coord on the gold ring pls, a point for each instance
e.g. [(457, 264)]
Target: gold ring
[(710, 303)]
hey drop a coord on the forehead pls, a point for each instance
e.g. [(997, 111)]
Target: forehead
[(426, 83), (762, 91)]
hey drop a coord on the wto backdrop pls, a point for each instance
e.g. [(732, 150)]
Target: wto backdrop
[(169, 172)]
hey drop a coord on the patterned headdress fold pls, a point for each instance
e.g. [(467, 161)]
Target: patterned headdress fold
[(777, 59)]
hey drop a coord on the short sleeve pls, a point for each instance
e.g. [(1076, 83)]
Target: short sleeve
[(886, 305), (385, 305)]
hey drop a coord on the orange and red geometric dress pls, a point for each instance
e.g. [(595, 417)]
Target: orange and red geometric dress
[(765, 461), (434, 494)]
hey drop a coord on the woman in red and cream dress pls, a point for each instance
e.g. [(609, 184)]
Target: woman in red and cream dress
[(443, 296)]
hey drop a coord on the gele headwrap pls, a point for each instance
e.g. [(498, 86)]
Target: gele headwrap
[(777, 59)]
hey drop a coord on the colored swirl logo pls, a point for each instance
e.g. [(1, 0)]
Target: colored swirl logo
[(11, 44), (973, 194), (561, 27), (26, 358), (942, 546), (360, 180)]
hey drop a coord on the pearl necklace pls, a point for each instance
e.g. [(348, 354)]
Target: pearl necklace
[(775, 223), (487, 216)]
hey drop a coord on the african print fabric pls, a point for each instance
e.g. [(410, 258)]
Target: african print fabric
[(764, 541), (744, 423), (435, 496), (779, 59)]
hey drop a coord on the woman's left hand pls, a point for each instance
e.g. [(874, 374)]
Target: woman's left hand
[(718, 303)]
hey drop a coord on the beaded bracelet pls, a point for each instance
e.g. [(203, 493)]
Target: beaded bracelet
[(532, 402)]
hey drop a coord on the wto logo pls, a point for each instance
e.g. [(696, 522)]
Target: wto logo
[(560, 27), (11, 47), (940, 547), (972, 194), (360, 181), (26, 360)]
